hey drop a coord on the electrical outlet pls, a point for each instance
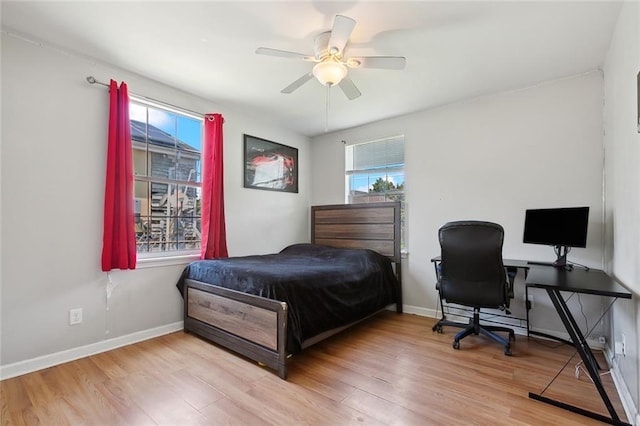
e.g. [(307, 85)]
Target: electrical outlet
[(602, 340), (620, 346), (528, 303), (75, 316)]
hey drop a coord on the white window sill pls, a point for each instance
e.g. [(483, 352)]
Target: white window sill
[(160, 261)]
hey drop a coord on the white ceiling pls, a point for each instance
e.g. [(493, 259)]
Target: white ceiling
[(454, 50)]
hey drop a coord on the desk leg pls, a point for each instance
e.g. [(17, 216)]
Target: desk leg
[(589, 360), (578, 339), (527, 308)]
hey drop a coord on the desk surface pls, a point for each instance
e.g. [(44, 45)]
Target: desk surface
[(509, 263), (593, 281)]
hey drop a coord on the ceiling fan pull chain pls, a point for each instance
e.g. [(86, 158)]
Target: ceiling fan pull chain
[(326, 125)]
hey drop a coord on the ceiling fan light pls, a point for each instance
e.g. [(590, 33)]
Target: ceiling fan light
[(329, 73)]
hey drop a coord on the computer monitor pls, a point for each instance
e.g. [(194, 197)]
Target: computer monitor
[(562, 228)]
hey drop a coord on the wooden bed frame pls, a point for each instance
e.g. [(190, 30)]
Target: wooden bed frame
[(256, 327)]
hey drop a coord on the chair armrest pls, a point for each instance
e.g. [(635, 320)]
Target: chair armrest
[(511, 279), (512, 272)]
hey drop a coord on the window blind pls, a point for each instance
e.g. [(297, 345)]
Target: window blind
[(377, 155)]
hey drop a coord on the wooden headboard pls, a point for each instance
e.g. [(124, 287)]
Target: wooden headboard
[(374, 226)]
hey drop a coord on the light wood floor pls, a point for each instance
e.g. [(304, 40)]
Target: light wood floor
[(391, 369)]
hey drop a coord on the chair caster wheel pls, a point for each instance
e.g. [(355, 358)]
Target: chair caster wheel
[(437, 328), (456, 345), (507, 351)]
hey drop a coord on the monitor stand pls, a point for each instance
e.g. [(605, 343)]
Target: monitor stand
[(560, 262), (561, 252)]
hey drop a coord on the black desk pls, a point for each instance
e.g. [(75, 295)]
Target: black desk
[(596, 282), (508, 263)]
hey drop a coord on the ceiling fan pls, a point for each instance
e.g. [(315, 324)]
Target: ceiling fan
[(331, 64)]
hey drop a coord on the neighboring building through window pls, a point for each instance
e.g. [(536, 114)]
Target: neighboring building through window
[(375, 172), (167, 178)]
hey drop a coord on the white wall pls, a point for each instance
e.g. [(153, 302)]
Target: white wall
[(622, 189), (490, 158), (54, 127)]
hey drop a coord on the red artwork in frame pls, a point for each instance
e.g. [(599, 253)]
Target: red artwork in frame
[(269, 165)]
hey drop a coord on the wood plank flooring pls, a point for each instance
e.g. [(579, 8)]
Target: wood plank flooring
[(391, 369)]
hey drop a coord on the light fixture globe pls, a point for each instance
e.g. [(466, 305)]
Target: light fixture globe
[(329, 72)]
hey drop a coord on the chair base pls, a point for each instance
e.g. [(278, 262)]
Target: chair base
[(474, 327)]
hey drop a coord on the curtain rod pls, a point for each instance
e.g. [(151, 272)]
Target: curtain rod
[(92, 80)]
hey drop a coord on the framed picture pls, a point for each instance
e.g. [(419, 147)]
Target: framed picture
[(269, 165)]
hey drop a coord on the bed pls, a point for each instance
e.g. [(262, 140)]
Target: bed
[(269, 307)]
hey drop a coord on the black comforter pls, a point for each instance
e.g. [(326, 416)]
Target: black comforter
[(324, 287)]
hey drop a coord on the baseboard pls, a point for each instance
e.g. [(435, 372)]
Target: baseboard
[(593, 343), (520, 330), (630, 409), (432, 313), (417, 310), (30, 365)]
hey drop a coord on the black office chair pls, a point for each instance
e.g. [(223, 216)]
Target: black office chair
[(472, 274)]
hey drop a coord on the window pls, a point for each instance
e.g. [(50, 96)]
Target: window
[(375, 173), (166, 160)]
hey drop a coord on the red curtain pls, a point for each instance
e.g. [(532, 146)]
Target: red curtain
[(214, 235), (119, 239)]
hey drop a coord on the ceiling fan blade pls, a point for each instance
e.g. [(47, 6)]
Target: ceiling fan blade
[(340, 33), (381, 62), (349, 88), (283, 53), (299, 82)]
